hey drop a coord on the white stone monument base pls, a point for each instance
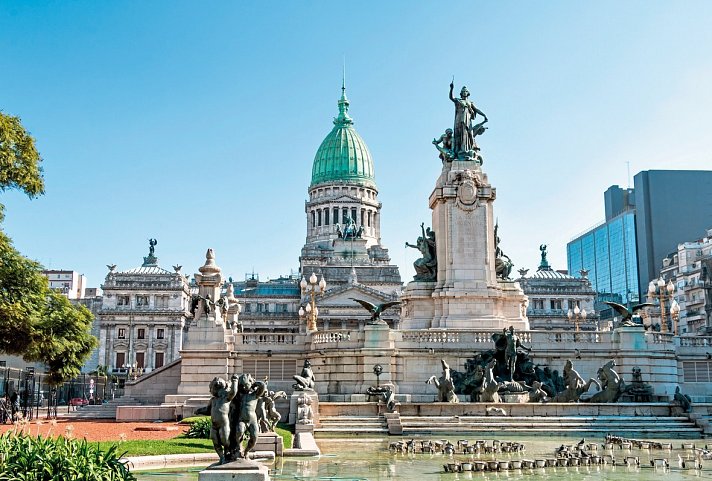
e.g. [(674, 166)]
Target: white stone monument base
[(242, 470)]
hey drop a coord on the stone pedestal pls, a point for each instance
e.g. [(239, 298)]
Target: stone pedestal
[(242, 470), (467, 293), (270, 441), (294, 407)]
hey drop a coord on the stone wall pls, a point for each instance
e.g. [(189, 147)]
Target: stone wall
[(152, 388)]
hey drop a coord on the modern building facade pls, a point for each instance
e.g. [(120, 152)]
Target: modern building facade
[(690, 269), (143, 317), (643, 225), (671, 207), (70, 283), (608, 252)]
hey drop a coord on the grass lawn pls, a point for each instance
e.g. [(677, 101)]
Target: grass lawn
[(177, 445)]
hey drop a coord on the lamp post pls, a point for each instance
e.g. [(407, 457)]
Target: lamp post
[(310, 312), (675, 314), (577, 315), (659, 290)]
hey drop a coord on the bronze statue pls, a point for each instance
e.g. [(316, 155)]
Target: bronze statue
[(305, 381), (446, 388), (544, 264), (464, 146), (243, 415), (630, 317), (219, 411), (267, 414), (425, 267), (375, 310), (612, 385), (490, 386), (152, 247), (683, 400), (446, 154), (502, 263), (510, 353), (574, 385)]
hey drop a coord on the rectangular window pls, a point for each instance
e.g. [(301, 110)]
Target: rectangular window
[(140, 359), (159, 360), (160, 333), (276, 369), (369, 218), (345, 216), (313, 219), (318, 217), (120, 359), (363, 217), (555, 304), (336, 215), (326, 216), (122, 301), (141, 301), (248, 307), (122, 333), (141, 333), (696, 371), (353, 214)]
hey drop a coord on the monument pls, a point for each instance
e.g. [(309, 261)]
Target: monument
[(462, 280)]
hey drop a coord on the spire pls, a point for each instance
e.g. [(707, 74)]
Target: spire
[(343, 118)]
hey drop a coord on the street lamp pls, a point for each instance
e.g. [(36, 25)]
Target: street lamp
[(577, 315), (310, 312), (675, 314), (659, 290)]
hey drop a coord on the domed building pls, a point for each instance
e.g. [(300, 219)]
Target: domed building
[(343, 213)]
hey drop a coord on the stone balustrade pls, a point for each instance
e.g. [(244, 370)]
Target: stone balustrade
[(266, 338), (661, 337), (696, 341), (331, 337)]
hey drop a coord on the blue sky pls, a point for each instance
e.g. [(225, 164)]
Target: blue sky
[(196, 122)]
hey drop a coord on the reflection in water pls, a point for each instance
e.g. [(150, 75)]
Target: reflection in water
[(369, 459)]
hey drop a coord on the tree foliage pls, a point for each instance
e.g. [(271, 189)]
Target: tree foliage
[(35, 321), (19, 160)]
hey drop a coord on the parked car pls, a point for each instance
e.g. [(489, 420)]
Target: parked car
[(78, 401)]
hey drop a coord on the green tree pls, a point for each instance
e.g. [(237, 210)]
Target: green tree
[(19, 160), (35, 322)]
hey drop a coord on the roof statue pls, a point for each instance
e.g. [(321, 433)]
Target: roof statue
[(544, 264), (151, 260), (464, 146)]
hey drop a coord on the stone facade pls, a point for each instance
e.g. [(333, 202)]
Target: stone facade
[(143, 317), (553, 294)]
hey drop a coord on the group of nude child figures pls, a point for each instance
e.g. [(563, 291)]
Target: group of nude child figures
[(242, 407)]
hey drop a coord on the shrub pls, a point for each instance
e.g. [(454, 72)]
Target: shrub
[(200, 428), (24, 457)]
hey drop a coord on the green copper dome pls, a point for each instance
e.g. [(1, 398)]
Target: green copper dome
[(343, 155)]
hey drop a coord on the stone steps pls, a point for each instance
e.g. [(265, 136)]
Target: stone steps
[(100, 411), (655, 426), (336, 425)]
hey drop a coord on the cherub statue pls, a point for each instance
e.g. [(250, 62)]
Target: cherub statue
[(244, 415), (219, 411), (267, 413)]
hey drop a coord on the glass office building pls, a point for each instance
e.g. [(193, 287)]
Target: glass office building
[(608, 252)]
